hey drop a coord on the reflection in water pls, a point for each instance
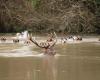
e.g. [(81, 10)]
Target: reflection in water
[(49, 68), (20, 69), (28, 68)]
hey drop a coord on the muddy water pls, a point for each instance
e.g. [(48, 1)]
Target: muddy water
[(79, 61)]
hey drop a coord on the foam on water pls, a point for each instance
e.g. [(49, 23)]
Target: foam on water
[(25, 51)]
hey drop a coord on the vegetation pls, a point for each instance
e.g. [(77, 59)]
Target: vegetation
[(70, 16)]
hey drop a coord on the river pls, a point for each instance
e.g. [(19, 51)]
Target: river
[(78, 61)]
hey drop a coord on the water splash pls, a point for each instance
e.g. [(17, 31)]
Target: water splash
[(24, 51)]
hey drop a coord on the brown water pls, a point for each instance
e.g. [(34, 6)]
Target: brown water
[(79, 61)]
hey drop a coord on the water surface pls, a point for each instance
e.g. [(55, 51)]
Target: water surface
[(79, 61)]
